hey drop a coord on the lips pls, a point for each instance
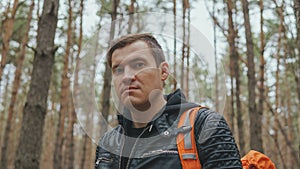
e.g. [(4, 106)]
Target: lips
[(129, 89)]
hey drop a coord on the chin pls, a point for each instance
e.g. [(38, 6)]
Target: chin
[(133, 103)]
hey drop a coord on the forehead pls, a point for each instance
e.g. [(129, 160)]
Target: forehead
[(138, 49)]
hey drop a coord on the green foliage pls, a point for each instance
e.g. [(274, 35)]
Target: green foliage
[(20, 22), (105, 7)]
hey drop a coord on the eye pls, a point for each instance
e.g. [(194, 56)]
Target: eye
[(118, 70), (139, 65)]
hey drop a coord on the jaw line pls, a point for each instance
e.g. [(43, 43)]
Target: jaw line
[(155, 104)]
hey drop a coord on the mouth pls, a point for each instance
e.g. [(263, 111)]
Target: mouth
[(129, 89)]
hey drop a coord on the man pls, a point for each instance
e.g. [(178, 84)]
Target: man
[(146, 135)]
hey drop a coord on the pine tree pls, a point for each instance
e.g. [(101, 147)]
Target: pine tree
[(29, 149)]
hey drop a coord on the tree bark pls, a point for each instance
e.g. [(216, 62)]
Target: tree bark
[(216, 63), (64, 97), (83, 155), (175, 49), (297, 76), (16, 85), (282, 130), (184, 47), (131, 18), (105, 102), (262, 63), (5, 100), (29, 150), (7, 30), (234, 66), (255, 117), (287, 102), (187, 77), (70, 157), (297, 15)]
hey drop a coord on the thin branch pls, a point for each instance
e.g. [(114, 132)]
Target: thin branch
[(216, 22), (288, 142), (32, 48)]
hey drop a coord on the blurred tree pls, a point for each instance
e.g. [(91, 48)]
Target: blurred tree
[(7, 30), (64, 94), (16, 86), (255, 118), (235, 76), (175, 44), (297, 15), (70, 149), (29, 149), (260, 108)]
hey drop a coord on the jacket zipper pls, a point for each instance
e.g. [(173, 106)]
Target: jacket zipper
[(157, 152), (133, 147), (121, 151), (103, 159)]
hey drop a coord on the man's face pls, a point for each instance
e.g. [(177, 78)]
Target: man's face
[(136, 76)]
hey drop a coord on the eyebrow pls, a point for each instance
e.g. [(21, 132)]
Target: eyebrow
[(115, 66), (138, 58)]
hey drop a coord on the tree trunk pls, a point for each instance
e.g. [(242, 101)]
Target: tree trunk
[(16, 85), (287, 102), (5, 100), (29, 150), (131, 12), (282, 130), (239, 109), (232, 108), (86, 149), (277, 90), (234, 69), (255, 117), (282, 32), (277, 83), (68, 152), (279, 151), (297, 76), (7, 30), (184, 47), (105, 103), (175, 50), (83, 155), (297, 15), (216, 64), (64, 97), (262, 63), (70, 157), (187, 77)]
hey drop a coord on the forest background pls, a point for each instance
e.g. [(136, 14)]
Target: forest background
[(255, 83)]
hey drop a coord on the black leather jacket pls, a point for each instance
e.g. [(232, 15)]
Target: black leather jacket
[(155, 146)]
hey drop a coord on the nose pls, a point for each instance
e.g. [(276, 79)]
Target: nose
[(129, 76)]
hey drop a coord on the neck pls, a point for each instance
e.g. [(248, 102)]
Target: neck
[(142, 117)]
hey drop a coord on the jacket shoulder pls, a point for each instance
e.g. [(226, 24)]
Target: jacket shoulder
[(215, 142), (111, 139)]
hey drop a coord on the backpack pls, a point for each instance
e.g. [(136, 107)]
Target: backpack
[(188, 153)]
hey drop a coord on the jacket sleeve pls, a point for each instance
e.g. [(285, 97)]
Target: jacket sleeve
[(215, 143)]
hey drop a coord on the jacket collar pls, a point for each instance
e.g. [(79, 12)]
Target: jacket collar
[(176, 103)]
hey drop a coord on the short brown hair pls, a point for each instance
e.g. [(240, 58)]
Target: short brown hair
[(131, 38)]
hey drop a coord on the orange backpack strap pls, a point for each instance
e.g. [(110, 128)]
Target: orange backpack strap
[(186, 142)]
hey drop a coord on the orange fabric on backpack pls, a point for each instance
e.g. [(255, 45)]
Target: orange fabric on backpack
[(188, 156), (188, 151), (256, 160)]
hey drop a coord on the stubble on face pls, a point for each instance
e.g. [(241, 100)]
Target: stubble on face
[(139, 90)]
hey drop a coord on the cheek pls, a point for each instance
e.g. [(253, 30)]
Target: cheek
[(116, 85), (153, 81)]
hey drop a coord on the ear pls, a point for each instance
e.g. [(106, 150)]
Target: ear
[(164, 67)]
